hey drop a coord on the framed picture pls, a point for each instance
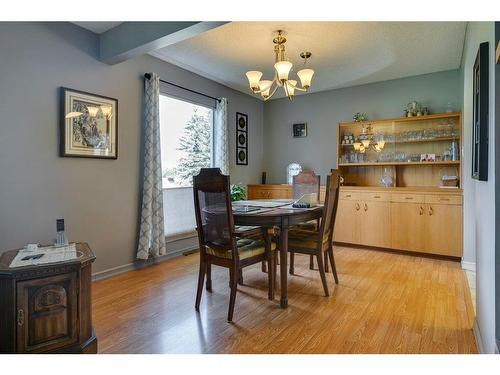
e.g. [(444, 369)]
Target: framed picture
[(88, 125), (299, 130), (241, 139), (480, 77)]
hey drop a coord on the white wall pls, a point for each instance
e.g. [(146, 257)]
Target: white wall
[(479, 197)]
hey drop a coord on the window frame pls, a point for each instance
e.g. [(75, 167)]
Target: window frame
[(187, 96)]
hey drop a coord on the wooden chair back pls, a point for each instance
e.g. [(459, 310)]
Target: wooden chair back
[(330, 208), (304, 183), (214, 216)]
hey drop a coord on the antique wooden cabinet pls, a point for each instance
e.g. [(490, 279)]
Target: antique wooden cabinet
[(47, 308)]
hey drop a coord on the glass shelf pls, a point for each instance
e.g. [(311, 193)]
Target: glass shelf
[(417, 151)]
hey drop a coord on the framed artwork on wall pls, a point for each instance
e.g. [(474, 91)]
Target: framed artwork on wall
[(88, 125), (480, 77), (241, 139), (299, 130)]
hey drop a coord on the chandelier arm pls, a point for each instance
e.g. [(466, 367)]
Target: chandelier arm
[(296, 87), (272, 93)]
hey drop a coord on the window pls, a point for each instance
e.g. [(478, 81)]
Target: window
[(186, 128)]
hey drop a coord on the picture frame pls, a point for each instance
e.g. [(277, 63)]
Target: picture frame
[(299, 130), (241, 139), (480, 95), (88, 125)]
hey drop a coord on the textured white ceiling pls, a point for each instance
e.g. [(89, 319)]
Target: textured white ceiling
[(97, 27), (343, 53)]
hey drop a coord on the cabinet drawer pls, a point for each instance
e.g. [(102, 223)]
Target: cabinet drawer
[(349, 195), (444, 199), (410, 198), (376, 197)]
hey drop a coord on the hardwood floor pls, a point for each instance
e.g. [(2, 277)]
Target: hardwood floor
[(385, 303)]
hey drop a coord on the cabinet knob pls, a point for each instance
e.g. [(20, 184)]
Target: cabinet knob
[(366, 207), (20, 317)]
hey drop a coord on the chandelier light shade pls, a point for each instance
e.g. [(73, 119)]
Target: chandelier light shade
[(282, 70), (265, 88), (305, 76), (253, 79), (290, 87)]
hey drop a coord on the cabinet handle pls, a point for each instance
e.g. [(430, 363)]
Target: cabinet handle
[(357, 206), (20, 317), (431, 211), (366, 207), (348, 196), (409, 198), (444, 199), (376, 196), (421, 210)]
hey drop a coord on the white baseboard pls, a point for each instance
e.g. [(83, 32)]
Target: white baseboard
[(468, 266), (101, 275), (477, 335)]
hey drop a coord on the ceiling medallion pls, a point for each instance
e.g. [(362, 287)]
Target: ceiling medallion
[(282, 68)]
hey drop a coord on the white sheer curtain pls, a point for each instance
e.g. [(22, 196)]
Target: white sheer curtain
[(152, 230), (220, 138)]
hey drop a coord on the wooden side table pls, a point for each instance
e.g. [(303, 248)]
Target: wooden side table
[(47, 308)]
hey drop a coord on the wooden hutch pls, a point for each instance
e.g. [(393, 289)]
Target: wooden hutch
[(408, 209)]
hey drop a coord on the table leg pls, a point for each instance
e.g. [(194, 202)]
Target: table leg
[(283, 266)]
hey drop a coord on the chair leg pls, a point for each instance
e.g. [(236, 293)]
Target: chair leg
[(264, 269), (240, 276), (232, 297), (209, 277), (292, 261), (311, 262), (332, 262), (319, 258), (270, 275), (325, 261), (201, 279)]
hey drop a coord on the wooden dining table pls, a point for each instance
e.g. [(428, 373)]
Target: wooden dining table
[(282, 217)]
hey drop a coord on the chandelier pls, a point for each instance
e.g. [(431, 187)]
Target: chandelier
[(367, 139), (282, 68)]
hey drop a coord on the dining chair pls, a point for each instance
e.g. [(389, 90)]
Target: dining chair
[(318, 243), (217, 238), (304, 183)]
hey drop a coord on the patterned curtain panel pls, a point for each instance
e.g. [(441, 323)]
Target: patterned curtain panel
[(151, 235), (221, 147)]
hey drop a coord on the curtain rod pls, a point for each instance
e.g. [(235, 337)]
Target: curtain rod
[(148, 76)]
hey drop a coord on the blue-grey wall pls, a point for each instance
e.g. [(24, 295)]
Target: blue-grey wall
[(324, 110), (98, 198)]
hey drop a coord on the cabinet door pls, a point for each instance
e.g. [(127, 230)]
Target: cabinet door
[(47, 313), (375, 224), (444, 229), (345, 229), (408, 226)]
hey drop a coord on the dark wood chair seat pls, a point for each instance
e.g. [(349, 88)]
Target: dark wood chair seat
[(247, 248)]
